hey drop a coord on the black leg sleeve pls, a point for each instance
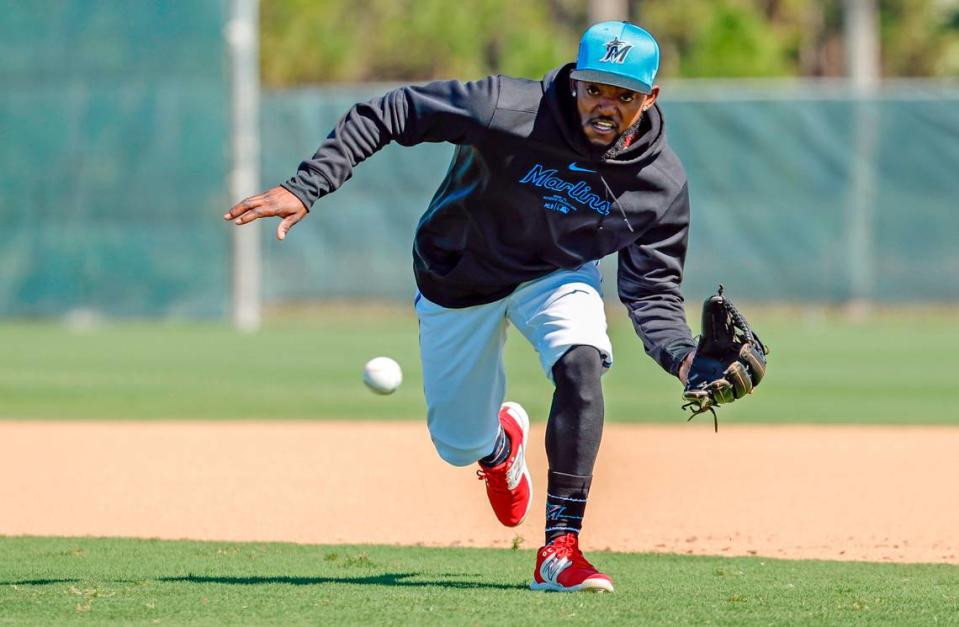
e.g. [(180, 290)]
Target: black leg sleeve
[(575, 425)]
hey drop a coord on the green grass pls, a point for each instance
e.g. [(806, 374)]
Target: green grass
[(823, 369), (95, 581)]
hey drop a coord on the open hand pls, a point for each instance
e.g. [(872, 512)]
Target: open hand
[(276, 201)]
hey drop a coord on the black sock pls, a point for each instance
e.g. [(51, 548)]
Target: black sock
[(565, 503), (500, 451)]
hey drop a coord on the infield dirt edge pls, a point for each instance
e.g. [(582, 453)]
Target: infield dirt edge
[(858, 493)]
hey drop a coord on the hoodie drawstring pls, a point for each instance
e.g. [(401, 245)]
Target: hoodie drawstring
[(612, 196)]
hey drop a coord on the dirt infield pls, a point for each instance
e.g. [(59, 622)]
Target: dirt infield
[(846, 493)]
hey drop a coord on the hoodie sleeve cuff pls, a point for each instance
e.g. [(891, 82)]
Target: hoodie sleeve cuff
[(301, 194), (673, 354), (307, 189)]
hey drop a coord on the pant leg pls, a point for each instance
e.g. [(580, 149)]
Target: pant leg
[(563, 317), (464, 380), (561, 310)]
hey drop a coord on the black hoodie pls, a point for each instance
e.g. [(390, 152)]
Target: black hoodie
[(526, 194)]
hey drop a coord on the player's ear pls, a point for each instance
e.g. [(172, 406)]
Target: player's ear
[(650, 99)]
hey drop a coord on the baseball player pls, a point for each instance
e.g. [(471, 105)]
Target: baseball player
[(547, 178)]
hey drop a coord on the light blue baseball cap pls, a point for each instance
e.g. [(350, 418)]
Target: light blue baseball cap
[(620, 54)]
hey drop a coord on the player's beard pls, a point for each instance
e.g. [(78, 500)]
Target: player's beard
[(619, 145)]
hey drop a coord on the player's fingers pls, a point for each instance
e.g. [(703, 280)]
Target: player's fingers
[(286, 225), (249, 216), (263, 211), (243, 206)]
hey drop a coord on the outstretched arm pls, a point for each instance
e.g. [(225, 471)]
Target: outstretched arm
[(442, 111), (650, 274), (448, 111)]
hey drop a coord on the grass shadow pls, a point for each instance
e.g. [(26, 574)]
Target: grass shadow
[(385, 579), (37, 582)]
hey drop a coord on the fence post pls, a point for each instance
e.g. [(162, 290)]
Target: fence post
[(243, 37), (862, 63), (607, 10)]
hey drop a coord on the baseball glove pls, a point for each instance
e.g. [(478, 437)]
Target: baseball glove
[(729, 362)]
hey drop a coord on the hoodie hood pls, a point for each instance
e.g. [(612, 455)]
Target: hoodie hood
[(649, 133)]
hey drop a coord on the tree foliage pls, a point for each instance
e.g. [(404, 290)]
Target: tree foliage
[(307, 41), (322, 41)]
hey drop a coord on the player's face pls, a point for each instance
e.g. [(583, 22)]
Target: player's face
[(605, 111)]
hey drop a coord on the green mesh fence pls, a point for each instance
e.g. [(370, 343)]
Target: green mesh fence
[(113, 155), (114, 158), (778, 175), (358, 241)]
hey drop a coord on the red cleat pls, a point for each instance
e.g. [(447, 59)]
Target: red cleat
[(561, 567), (508, 486)]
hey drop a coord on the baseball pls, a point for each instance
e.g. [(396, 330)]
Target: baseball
[(382, 375)]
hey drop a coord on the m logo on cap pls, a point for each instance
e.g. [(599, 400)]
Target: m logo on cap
[(616, 51)]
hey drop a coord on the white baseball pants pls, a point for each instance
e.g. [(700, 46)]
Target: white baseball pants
[(462, 353)]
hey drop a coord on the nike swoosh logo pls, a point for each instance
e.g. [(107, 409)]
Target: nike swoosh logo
[(576, 168)]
